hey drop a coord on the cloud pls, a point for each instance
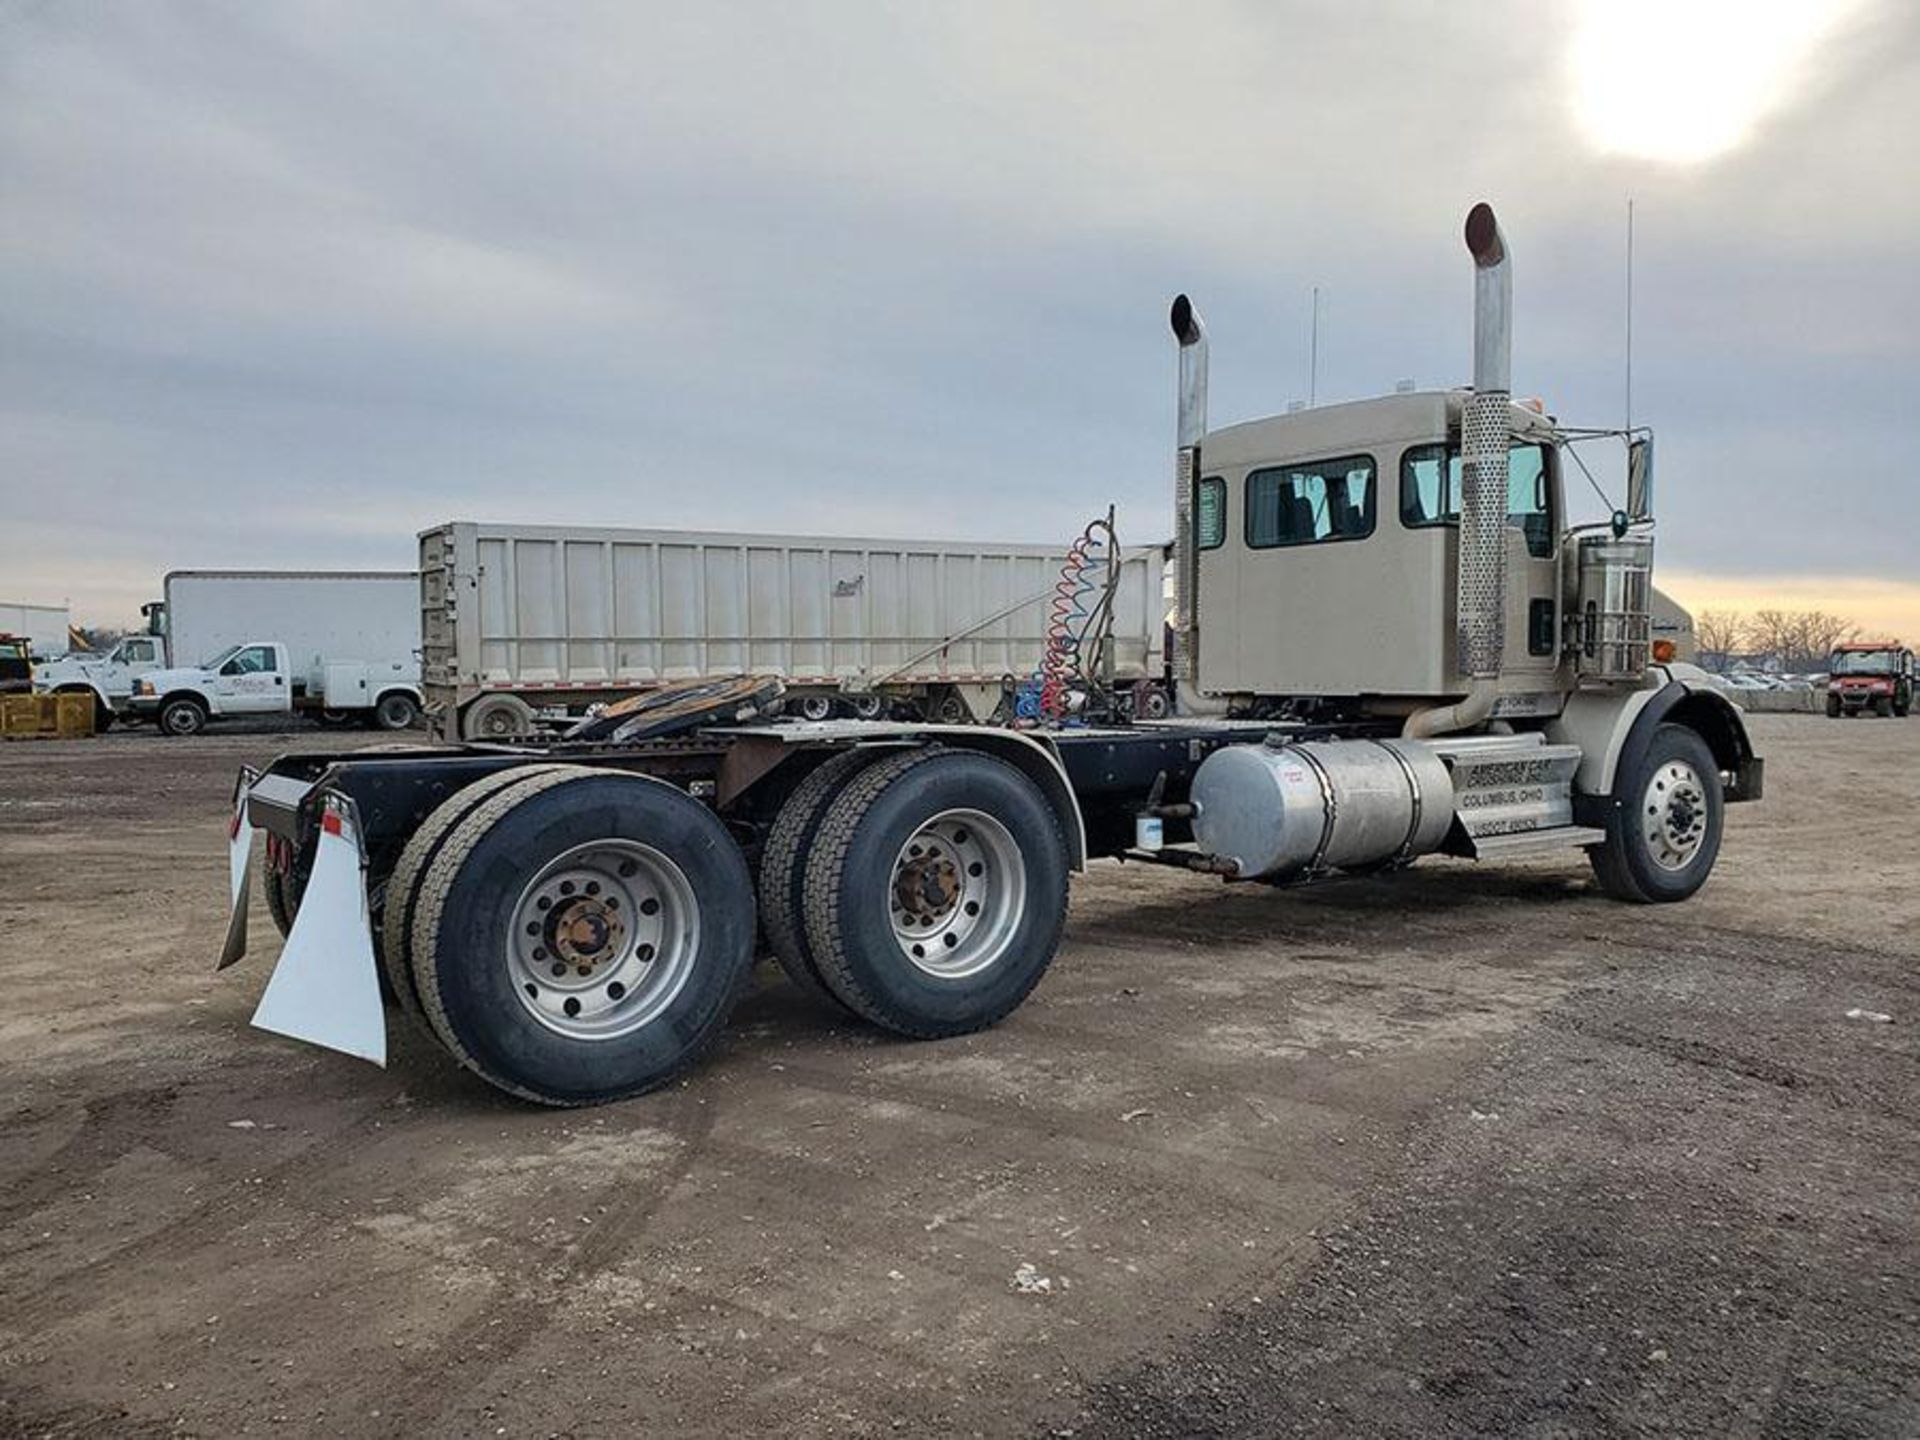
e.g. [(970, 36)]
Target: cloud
[(283, 285)]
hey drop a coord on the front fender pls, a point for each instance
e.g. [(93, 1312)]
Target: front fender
[(1614, 730)]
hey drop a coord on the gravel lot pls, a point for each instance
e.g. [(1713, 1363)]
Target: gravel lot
[(1467, 1151)]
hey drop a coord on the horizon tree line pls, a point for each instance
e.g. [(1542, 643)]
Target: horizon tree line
[(1773, 639)]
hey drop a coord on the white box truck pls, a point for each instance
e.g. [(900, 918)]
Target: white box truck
[(342, 645), (43, 627), (524, 622)]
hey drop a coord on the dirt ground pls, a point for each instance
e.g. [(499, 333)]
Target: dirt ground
[(1469, 1151)]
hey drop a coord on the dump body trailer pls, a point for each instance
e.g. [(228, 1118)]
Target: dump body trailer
[(523, 619), (43, 627)]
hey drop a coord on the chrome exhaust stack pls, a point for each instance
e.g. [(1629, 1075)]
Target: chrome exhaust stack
[(1191, 334), (1480, 584)]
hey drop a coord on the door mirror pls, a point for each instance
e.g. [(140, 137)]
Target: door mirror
[(1640, 478)]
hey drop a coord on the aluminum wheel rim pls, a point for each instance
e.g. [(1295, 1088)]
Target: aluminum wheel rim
[(603, 939), (957, 894), (1674, 815)]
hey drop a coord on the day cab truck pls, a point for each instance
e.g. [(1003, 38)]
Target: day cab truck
[(341, 645), (1404, 646), (1874, 675)]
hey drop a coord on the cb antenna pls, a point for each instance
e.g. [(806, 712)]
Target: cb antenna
[(1313, 354), (1629, 424)]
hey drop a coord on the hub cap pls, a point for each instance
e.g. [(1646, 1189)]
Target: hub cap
[(957, 894), (603, 939), (1674, 815)]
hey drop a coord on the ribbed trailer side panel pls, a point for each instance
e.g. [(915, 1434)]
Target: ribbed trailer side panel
[(546, 608)]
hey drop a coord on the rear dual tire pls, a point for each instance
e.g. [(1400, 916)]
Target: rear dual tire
[(934, 892), (647, 919)]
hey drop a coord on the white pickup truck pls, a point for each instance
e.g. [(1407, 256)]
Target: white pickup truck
[(256, 678), (109, 677)]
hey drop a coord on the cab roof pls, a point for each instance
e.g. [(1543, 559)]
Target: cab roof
[(1356, 426)]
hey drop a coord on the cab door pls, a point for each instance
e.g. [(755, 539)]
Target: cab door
[(251, 682), (1533, 595)]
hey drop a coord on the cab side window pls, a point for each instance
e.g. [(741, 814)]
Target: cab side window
[(1430, 491), (1307, 503), (1210, 514), (250, 661)]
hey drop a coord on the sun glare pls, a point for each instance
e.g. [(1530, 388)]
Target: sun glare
[(1683, 81)]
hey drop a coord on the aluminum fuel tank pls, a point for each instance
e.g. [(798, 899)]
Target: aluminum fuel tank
[(1276, 810)]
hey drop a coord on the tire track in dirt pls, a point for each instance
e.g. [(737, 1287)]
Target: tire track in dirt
[(418, 1402), (204, 1227)]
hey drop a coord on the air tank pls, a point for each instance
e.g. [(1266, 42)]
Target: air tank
[(1276, 810)]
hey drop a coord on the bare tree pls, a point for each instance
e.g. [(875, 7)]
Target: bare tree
[(1718, 634), (1771, 635), (1815, 633)]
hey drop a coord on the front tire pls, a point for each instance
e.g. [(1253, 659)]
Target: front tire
[(1663, 829), (1883, 706), (631, 888), (936, 892), (183, 717), (1833, 707)]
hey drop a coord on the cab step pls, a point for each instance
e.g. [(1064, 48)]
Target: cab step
[(1517, 843)]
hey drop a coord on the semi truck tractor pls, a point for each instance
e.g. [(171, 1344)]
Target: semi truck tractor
[(524, 623), (343, 646), (1875, 675), (1406, 651)]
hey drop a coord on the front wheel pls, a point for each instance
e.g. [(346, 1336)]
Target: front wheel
[(936, 892), (1883, 706), (1663, 832), (1833, 707), (581, 936), (183, 717)]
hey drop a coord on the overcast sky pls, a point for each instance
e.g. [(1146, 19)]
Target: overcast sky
[(282, 284)]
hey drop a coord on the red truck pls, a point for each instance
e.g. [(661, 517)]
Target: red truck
[(1872, 675)]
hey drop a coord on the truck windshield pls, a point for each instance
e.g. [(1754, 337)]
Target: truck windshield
[(1863, 662)]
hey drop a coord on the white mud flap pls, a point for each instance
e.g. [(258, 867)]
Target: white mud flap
[(326, 988), (239, 854)]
